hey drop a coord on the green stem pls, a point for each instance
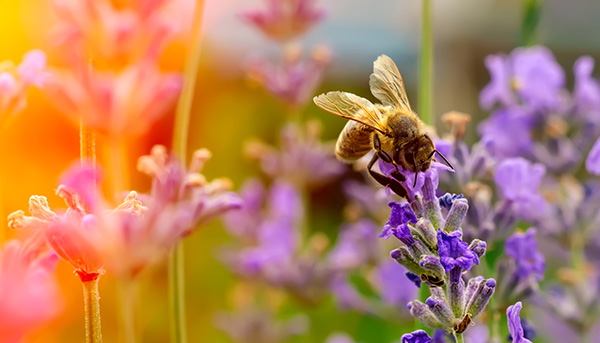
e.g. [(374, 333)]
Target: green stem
[(128, 299), (426, 66), (184, 106), (176, 296), (180, 138), (458, 337), (91, 296), (532, 13)]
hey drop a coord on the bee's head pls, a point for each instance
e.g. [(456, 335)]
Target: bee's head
[(417, 154)]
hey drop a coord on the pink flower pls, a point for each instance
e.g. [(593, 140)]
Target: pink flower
[(16, 80), (118, 103), (283, 20), (91, 235), (73, 235), (294, 80), (28, 291), (133, 31)]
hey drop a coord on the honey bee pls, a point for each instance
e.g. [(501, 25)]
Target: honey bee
[(391, 128)]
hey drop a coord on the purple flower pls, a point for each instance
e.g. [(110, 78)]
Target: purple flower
[(514, 323), (519, 179), (503, 143), (532, 73), (522, 247), (498, 90), (347, 296), (447, 199), (397, 225), (295, 79), (396, 289), (418, 336), (276, 240), (303, 159), (538, 78), (355, 246), (245, 221), (431, 173), (592, 162), (586, 90), (284, 20), (454, 253)]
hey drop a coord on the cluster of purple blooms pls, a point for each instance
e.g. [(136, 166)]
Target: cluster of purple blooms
[(503, 191)]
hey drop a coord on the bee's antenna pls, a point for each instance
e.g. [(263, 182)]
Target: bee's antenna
[(416, 170), (444, 158)]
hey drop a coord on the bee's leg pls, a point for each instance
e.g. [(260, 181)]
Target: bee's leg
[(386, 181), (386, 158)]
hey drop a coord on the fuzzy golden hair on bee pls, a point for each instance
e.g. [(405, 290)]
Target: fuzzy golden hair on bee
[(391, 128)]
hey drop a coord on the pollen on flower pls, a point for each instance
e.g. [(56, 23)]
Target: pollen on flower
[(153, 164), (16, 219), (199, 158), (195, 180), (458, 122), (38, 207), (131, 204)]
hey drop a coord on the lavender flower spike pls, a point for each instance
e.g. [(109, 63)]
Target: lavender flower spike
[(519, 179), (454, 254), (522, 247), (418, 336), (397, 225), (592, 162), (587, 89), (514, 323)]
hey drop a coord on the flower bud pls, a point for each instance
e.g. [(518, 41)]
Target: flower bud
[(433, 267), (426, 233), (456, 295), (478, 247), (403, 256), (422, 312), (481, 297), (456, 215), (441, 311)]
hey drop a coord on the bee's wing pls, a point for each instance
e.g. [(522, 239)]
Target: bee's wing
[(386, 84), (353, 107)]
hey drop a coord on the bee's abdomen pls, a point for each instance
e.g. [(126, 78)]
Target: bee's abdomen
[(354, 142)]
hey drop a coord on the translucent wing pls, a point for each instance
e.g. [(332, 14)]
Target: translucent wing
[(353, 107), (386, 84)]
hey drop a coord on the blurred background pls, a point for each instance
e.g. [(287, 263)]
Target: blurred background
[(38, 144)]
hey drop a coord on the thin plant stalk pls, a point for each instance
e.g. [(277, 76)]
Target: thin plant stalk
[(176, 296), (532, 12), (458, 337), (91, 296), (180, 139), (426, 66), (425, 92)]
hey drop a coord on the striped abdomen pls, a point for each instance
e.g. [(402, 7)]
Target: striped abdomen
[(354, 142)]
